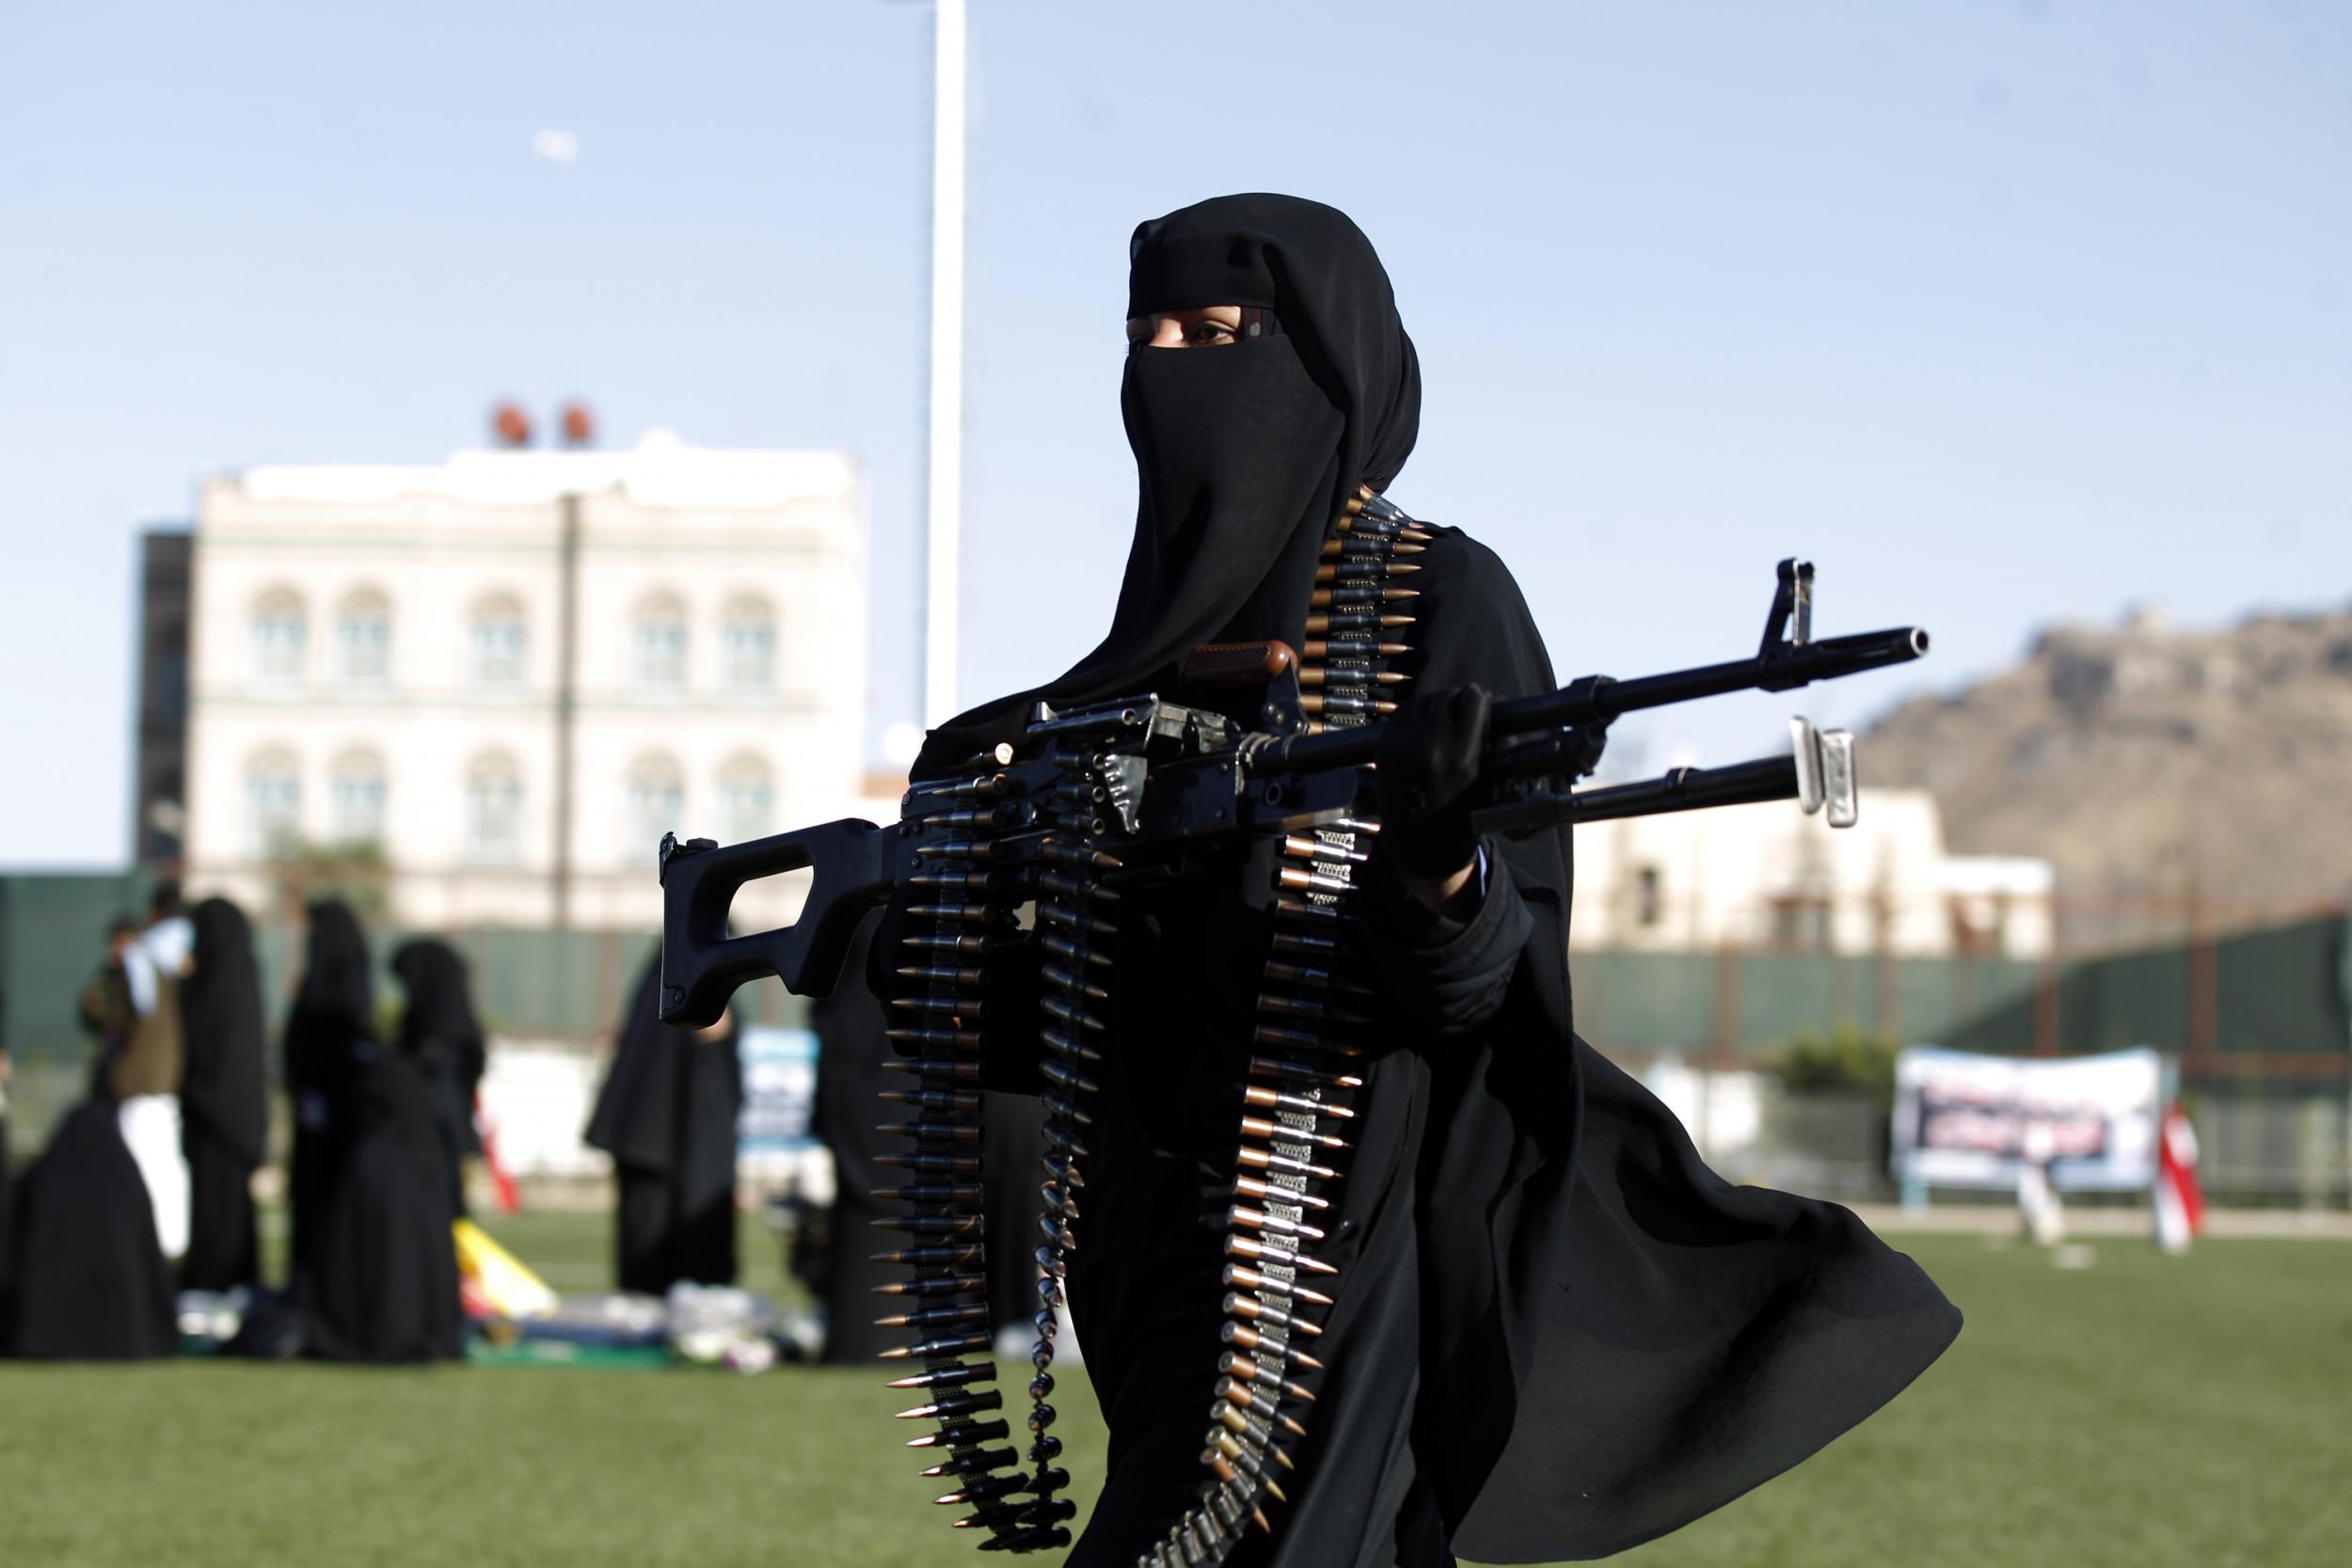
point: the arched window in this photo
(272, 805)
(494, 809)
(747, 799)
(279, 633)
(495, 642)
(355, 800)
(747, 645)
(656, 801)
(658, 641)
(363, 640)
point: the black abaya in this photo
(382, 1281)
(438, 1031)
(1556, 1334)
(330, 1039)
(224, 1103)
(87, 1279)
(667, 1115)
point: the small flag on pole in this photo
(2180, 1202)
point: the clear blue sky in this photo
(2006, 312)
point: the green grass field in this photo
(2144, 1412)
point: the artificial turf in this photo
(2144, 1412)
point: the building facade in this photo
(159, 789)
(1768, 878)
(496, 683)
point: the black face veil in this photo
(1244, 453)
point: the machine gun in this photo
(1148, 777)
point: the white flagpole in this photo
(944, 465)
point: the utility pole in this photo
(944, 453)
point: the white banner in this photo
(1965, 1120)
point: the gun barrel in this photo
(1679, 789)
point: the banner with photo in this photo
(1969, 1120)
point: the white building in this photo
(1769, 877)
(509, 674)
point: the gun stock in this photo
(702, 965)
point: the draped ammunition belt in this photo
(1307, 1038)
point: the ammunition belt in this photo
(1299, 1093)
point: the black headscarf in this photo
(438, 1009)
(1243, 455)
(222, 1091)
(338, 980)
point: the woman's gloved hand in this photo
(1428, 763)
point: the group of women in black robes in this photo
(87, 1277)
(1556, 1333)
(372, 1182)
(667, 1115)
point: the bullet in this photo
(1075, 887)
(1056, 1233)
(1234, 1364)
(1258, 1159)
(1336, 705)
(1247, 1278)
(1066, 1108)
(1314, 980)
(1350, 647)
(1299, 941)
(946, 1007)
(1363, 569)
(987, 1491)
(1057, 1202)
(950, 944)
(1306, 846)
(1062, 853)
(1277, 1251)
(969, 913)
(1329, 676)
(1305, 910)
(950, 1377)
(1071, 1046)
(970, 1253)
(933, 1130)
(1355, 620)
(1357, 596)
(1250, 1186)
(1265, 1099)
(1223, 1469)
(927, 1163)
(956, 1039)
(1062, 1170)
(1302, 1072)
(940, 1350)
(935, 1317)
(1312, 881)
(1061, 1137)
(1254, 1311)
(1285, 1006)
(1243, 1425)
(1241, 1396)
(1054, 974)
(1046, 1449)
(1350, 543)
(1250, 1460)
(976, 1464)
(1068, 1078)
(1076, 1017)
(961, 1101)
(988, 786)
(965, 882)
(953, 1405)
(936, 1067)
(964, 849)
(944, 975)
(1252, 1219)
(935, 1284)
(1009, 814)
(962, 1435)
(933, 1192)
(1303, 1039)
(1069, 920)
(1061, 946)
(931, 1224)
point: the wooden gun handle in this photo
(1239, 663)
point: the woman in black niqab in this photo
(438, 1031)
(331, 1036)
(667, 1115)
(224, 1103)
(1557, 1333)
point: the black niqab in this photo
(1243, 455)
(224, 1099)
(330, 1038)
(439, 1032)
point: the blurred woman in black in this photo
(667, 1115)
(439, 1032)
(224, 1103)
(331, 1036)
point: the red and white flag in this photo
(2180, 1202)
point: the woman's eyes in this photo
(1207, 333)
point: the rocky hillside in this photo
(2148, 762)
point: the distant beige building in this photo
(509, 674)
(1769, 877)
